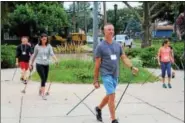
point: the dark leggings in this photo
(166, 66)
(43, 73)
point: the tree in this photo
(34, 17)
(125, 21)
(151, 12)
(81, 13)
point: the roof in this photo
(167, 27)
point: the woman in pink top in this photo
(164, 60)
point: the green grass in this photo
(90, 45)
(78, 71)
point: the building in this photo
(162, 31)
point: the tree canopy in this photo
(152, 11)
(81, 14)
(125, 20)
(32, 17)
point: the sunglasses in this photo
(44, 39)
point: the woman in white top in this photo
(42, 52)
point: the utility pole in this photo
(115, 19)
(105, 12)
(95, 27)
(74, 18)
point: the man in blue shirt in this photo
(107, 56)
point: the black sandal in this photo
(173, 75)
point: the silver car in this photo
(124, 40)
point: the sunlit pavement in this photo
(149, 103)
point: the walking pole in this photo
(80, 101)
(12, 77)
(24, 90)
(47, 93)
(14, 73)
(182, 64)
(124, 91)
(84, 103)
(148, 77)
(176, 66)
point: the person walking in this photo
(42, 52)
(107, 56)
(180, 23)
(23, 53)
(164, 60)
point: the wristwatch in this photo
(96, 81)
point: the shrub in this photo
(133, 52)
(148, 54)
(178, 50)
(69, 48)
(84, 74)
(137, 62)
(8, 53)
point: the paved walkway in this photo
(149, 103)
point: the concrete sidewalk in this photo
(149, 103)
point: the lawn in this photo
(78, 71)
(155, 42)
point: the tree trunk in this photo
(146, 26)
(152, 26)
(105, 13)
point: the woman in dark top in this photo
(23, 54)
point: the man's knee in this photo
(111, 97)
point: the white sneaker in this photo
(44, 97)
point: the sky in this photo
(109, 5)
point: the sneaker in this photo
(115, 121)
(98, 114)
(164, 85)
(25, 81)
(169, 85)
(44, 97)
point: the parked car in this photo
(89, 39)
(124, 40)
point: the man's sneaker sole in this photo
(115, 121)
(96, 111)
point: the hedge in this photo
(148, 54)
(8, 53)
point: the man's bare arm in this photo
(126, 61)
(97, 69)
